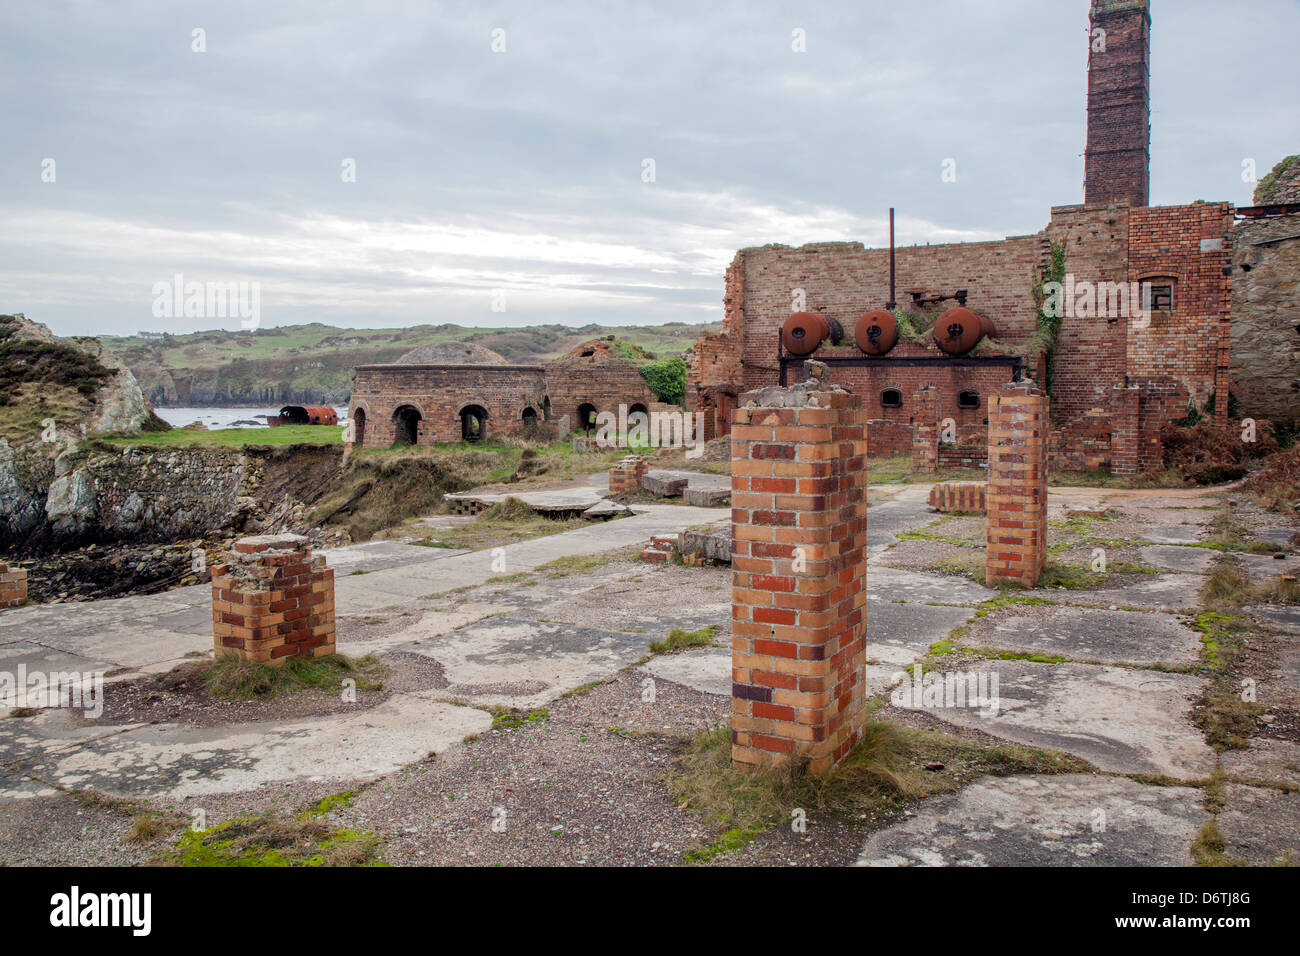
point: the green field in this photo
(237, 437)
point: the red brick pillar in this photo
(272, 599)
(1124, 432)
(925, 429)
(627, 474)
(13, 586)
(1017, 486)
(799, 527)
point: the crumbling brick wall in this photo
(595, 374)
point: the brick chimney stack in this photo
(1118, 157)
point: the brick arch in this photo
(404, 428)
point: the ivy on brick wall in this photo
(666, 378)
(1049, 326)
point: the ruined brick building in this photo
(470, 393)
(1115, 378)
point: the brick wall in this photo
(13, 586)
(627, 474)
(603, 379)
(271, 599)
(925, 429)
(1188, 345)
(1017, 486)
(439, 393)
(1118, 154)
(799, 521)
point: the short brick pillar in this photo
(958, 496)
(13, 586)
(272, 599)
(799, 531)
(925, 429)
(1126, 401)
(1017, 486)
(627, 474)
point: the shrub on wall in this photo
(666, 378)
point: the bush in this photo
(667, 379)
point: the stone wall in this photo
(1265, 327)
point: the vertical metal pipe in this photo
(892, 301)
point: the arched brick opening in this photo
(359, 426)
(473, 423)
(406, 424)
(586, 417)
(529, 416)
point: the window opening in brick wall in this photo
(891, 398)
(968, 399)
(1158, 295)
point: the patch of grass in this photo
(273, 841)
(327, 805)
(576, 564)
(147, 827)
(1208, 849)
(506, 718)
(236, 437)
(1221, 712)
(236, 679)
(884, 772)
(679, 640)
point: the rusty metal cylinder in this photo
(876, 332)
(803, 332)
(959, 330)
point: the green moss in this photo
(1270, 178)
(504, 718)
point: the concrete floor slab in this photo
(171, 761)
(516, 662)
(1067, 820)
(1173, 533)
(1172, 557)
(1283, 617)
(1089, 634)
(1267, 759)
(707, 670)
(1261, 825)
(1162, 592)
(1128, 721)
(916, 587)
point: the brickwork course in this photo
(13, 586)
(1016, 496)
(799, 521)
(959, 496)
(1181, 358)
(272, 599)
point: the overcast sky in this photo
(524, 170)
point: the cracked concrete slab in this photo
(1118, 719)
(1283, 617)
(173, 761)
(1140, 637)
(1261, 825)
(707, 670)
(517, 662)
(1067, 820)
(1167, 592)
(919, 588)
(1172, 557)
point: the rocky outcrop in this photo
(1265, 327)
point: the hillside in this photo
(313, 363)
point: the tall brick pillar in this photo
(1126, 401)
(13, 586)
(925, 429)
(799, 525)
(272, 599)
(1017, 488)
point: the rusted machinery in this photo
(956, 332)
(304, 415)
